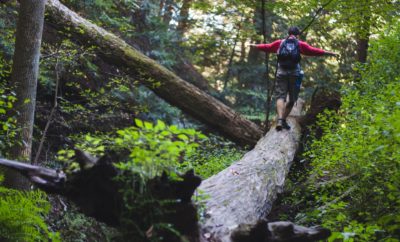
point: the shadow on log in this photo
(278, 232)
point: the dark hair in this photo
(294, 30)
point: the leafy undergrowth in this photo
(146, 151)
(77, 227)
(214, 155)
(353, 186)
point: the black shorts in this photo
(286, 84)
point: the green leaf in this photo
(139, 123)
(183, 137)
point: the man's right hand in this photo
(252, 45)
(332, 54)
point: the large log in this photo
(244, 192)
(163, 82)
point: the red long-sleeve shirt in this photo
(305, 48)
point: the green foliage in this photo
(213, 156)
(8, 16)
(155, 149)
(148, 151)
(76, 227)
(22, 216)
(108, 13)
(7, 99)
(7, 96)
(151, 150)
(355, 177)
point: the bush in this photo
(145, 151)
(76, 227)
(355, 177)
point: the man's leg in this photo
(280, 107)
(281, 90)
(288, 108)
(293, 95)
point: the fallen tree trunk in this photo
(163, 82)
(244, 192)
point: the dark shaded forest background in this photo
(347, 177)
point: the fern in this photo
(22, 216)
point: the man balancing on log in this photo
(288, 70)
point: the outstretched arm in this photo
(307, 49)
(329, 53)
(270, 48)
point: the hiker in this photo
(288, 70)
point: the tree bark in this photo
(267, 31)
(362, 49)
(244, 192)
(163, 82)
(24, 76)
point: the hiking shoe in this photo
(279, 125)
(282, 124)
(285, 125)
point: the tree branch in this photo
(319, 10)
(53, 110)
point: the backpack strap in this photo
(280, 45)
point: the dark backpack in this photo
(289, 53)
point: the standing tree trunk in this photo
(24, 76)
(362, 49)
(266, 36)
